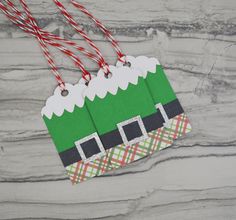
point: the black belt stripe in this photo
(113, 138)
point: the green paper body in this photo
(159, 87)
(113, 109)
(102, 115)
(70, 127)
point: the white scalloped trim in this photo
(57, 104)
(143, 63)
(99, 86)
(121, 77)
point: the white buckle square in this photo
(164, 115)
(95, 156)
(141, 126)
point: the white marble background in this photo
(195, 40)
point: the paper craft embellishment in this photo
(104, 122)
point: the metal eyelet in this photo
(64, 92)
(128, 64)
(108, 75)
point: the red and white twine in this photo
(77, 27)
(29, 25)
(44, 47)
(85, 74)
(47, 35)
(106, 32)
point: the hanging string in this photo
(48, 35)
(47, 55)
(77, 27)
(44, 46)
(33, 29)
(85, 74)
(30, 26)
(106, 32)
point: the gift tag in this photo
(176, 121)
(67, 117)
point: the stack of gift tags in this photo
(114, 120)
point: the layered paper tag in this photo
(176, 122)
(114, 121)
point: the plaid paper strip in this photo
(122, 155)
(179, 126)
(79, 172)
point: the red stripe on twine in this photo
(106, 32)
(48, 36)
(43, 45)
(77, 27)
(29, 25)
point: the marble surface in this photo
(194, 179)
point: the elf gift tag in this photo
(176, 122)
